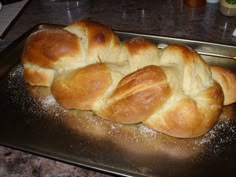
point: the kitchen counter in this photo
(160, 17)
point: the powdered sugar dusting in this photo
(49, 101)
(147, 132)
(221, 127)
(28, 98)
(41, 103)
(215, 140)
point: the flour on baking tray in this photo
(18, 92)
(223, 133)
(48, 102)
(16, 84)
(220, 128)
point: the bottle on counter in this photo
(228, 7)
(195, 3)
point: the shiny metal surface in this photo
(32, 121)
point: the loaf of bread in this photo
(87, 67)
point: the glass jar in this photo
(228, 7)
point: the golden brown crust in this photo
(48, 51)
(79, 44)
(136, 96)
(139, 44)
(139, 53)
(173, 91)
(45, 48)
(197, 99)
(101, 44)
(38, 76)
(227, 79)
(186, 118)
(79, 89)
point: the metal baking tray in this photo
(32, 121)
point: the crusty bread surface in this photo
(171, 90)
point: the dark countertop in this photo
(160, 17)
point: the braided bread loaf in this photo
(87, 68)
